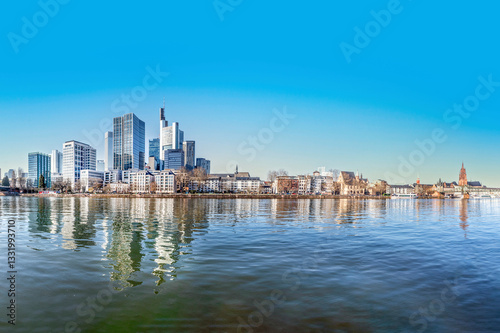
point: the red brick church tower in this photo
(462, 179)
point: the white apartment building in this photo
(89, 178)
(77, 156)
(165, 182)
(112, 176)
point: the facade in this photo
(154, 151)
(56, 161)
(90, 179)
(173, 159)
(140, 181)
(129, 143)
(400, 189)
(189, 154)
(108, 151)
(351, 184)
(286, 185)
(204, 164)
(112, 176)
(77, 156)
(39, 164)
(165, 182)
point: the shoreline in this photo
(208, 196)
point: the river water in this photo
(207, 265)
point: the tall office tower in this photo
(154, 151)
(174, 159)
(108, 151)
(77, 156)
(100, 165)
(129, 142)
(203, 163)
(189, 154)
(171, 137)
(56, 160)
(39, 164)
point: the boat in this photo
(403, 196)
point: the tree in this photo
(5, 181)
(96, 184)
(78, 186)
(273, 174)
(184, 178)
(200, 175)
(41, 182)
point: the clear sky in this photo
(359, 100)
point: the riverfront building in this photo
(129, 143)
(77, 156)
(39, 164)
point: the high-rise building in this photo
(129, 142)
(189, 154)
(77, 156)
(154, 151)
(108, 151)
(203, 163)
(174, 159)
(171, 137)
(39, 164)
(56, 160)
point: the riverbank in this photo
(207, 196)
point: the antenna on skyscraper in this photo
(164, 102)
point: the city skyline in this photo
(362, 110)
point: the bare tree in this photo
(96, 184)
(273, 174)
(200, 175)
(78, 186)
(184, 178)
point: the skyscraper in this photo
(77, 156)
(154, 151)
(39, 164)
(56, 159)
(189, 154)
(203, 163)
(108, 151)
(171, 137)
(129, 142)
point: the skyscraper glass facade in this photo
(39, 164)
(129, 142)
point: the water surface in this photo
(206, 265)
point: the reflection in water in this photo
(135, 233)
(198, 265)
(464, 216)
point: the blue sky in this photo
(227, 76)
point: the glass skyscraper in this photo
(129, 142)
(39, 164)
